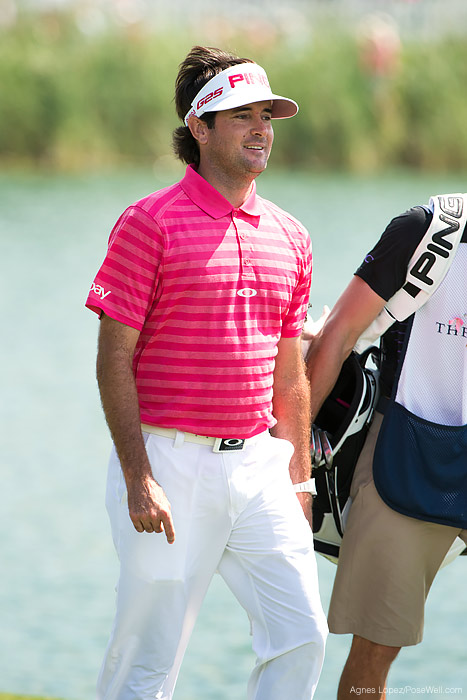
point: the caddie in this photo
(409, 490)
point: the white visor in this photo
(237, 86)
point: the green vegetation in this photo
(8, 696)
(72, 100)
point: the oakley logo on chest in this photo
(247, 292)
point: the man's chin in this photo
(258, 168)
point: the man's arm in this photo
(148, 506)
(291, 408)
(353, 312)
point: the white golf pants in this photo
(234, 512)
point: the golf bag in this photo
(342, 425)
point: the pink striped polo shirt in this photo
(211, 289)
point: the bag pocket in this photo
(420, 467)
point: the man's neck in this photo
(235, 192)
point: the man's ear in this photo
(199, 129)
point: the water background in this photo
(58, 568)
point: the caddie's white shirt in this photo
(433, 382)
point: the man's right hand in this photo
(149, 508)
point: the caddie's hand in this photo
(306, 501)
(149, 508)
(312, 328)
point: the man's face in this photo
(241, 140)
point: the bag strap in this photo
(427, 267)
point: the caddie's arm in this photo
(148, 506)
(352, 313)
(291, 408)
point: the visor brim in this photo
(282, 107)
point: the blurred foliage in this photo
(71, 99)
(9, 696)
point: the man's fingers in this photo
(160, 524)
(138, 526)
(169, 528)
(150, 510)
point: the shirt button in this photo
(247, 261)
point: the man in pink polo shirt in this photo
(202, 297)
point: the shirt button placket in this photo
(244, 247)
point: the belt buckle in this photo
(228, 445)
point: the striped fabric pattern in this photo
(211, 289)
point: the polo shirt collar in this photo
(207, 198)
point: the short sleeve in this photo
(293, 323)
(384, 268)
(126, 283)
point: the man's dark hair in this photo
(200, 65)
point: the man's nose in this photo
(259, 125)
